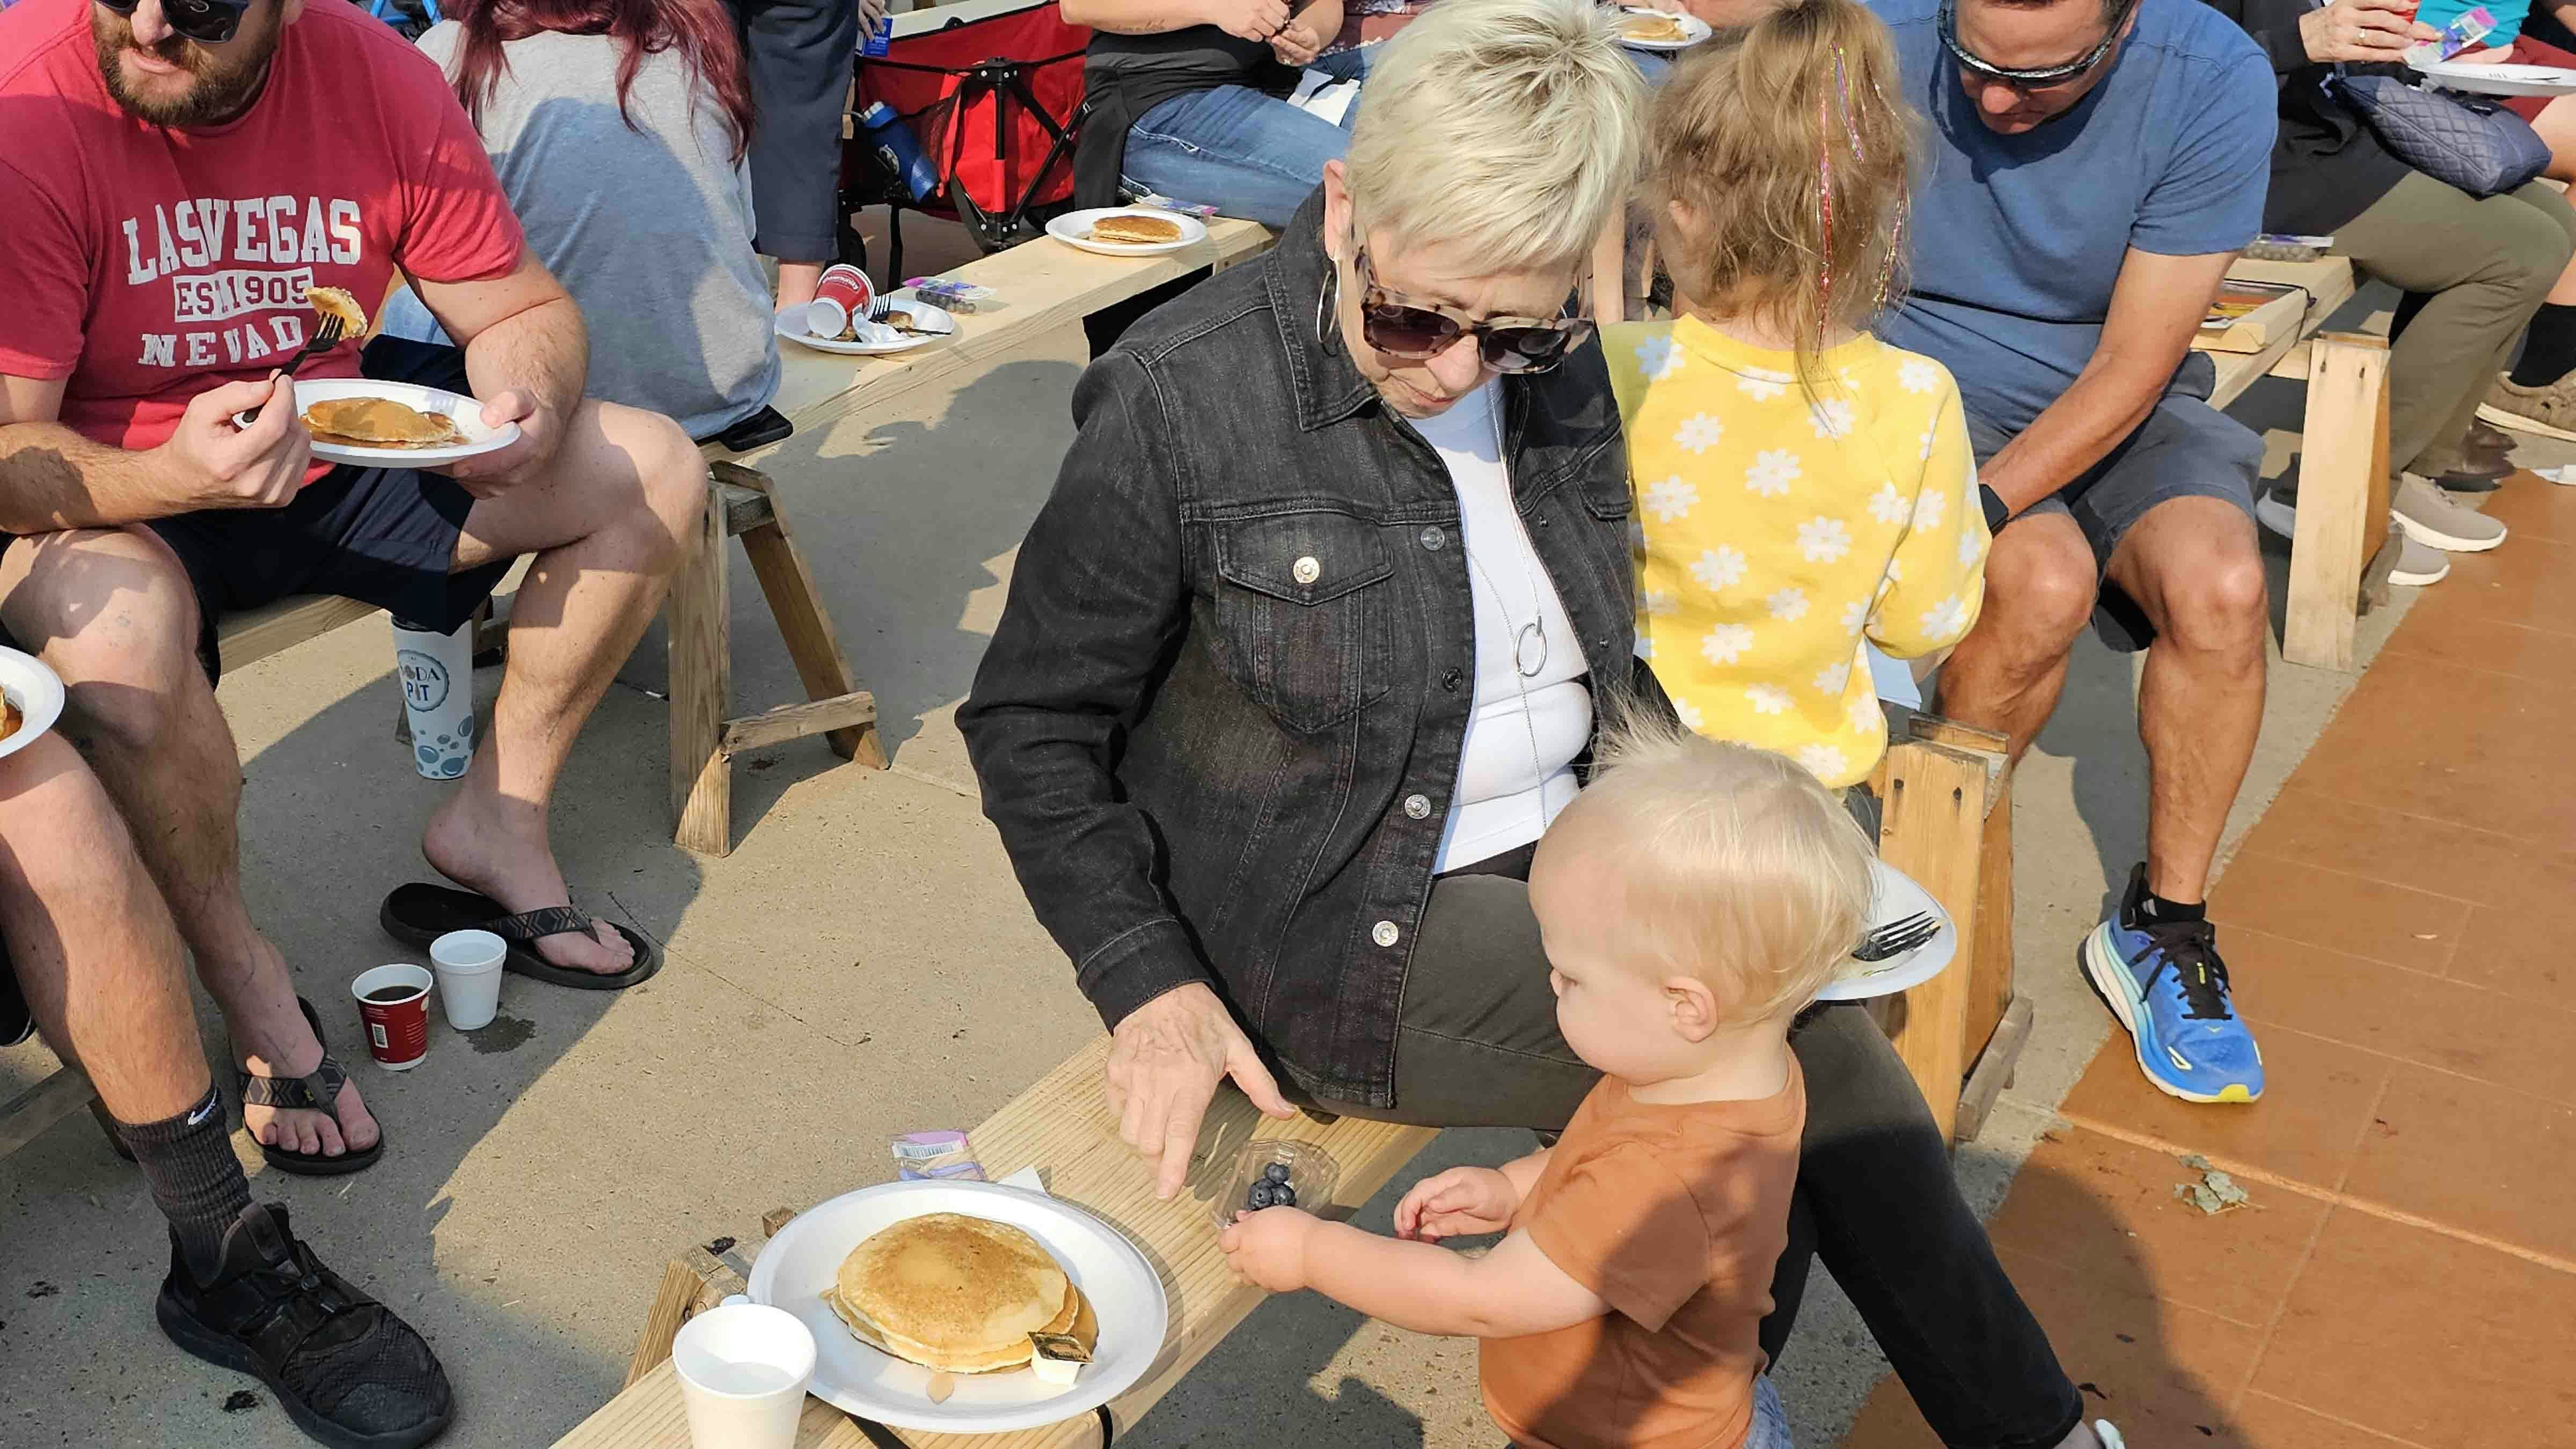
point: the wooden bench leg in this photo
(1935, 820)
(2343, 496)
(811, 640)
(701, 686)
(1610, 270)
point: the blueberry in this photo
(1263, 1195)
(1276, 1172)
(1283, 1196)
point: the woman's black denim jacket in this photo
(1219, 724)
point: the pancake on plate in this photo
(958, 1294)
(10, 719)
(1658, 29)
(1135, 230)
(332, 302)
(378, 422)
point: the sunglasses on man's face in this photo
(207, 22)
(1416, 331)
(2026, 81)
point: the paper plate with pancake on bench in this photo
(933, 1302)
(375, 424)
(1643, 29)
(1128, 231)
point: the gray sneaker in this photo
(2549, 411)
(2435, 521)
(2417, 565)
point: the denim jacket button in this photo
(1449, 681)
(1306, 570)
(1433, 538)
(1384, 933)
(1417, 807)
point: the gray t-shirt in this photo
(649, 228)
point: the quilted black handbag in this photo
(2474, 144)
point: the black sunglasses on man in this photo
(207, 22)
(2038, 79)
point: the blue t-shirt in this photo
(2019, 239)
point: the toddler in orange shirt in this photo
(1692, 900)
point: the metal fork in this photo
(1897, 937)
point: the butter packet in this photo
(920, 1156)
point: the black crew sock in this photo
(2155, 910)
(2549, 348)
(195, 1179)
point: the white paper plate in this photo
(1074, 228)
(35, 691)
(805, 1259)
(2501, 80)
(1694, 29)
(1896, 897)
(921, 312)
(467, 414)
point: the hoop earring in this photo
(1328, 293)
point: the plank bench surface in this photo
(2330, 284)
(1043, 285)
(1062, 1128)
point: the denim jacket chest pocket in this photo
(1301, 613)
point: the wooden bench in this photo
(2343, 534)
(1060, 1127)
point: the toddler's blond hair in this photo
(1736, 866)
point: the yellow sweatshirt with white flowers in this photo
(1779, 529)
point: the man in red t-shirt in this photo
(178, 174)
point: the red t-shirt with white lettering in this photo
(144, 265)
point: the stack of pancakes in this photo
(958, 1294)
(1129, 230)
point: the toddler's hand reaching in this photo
(1269, 1247)
(1459, 1203)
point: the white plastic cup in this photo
(468, 964)
(743, 1369)
(437, 676)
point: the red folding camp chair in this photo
(994, 103)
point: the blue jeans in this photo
(1238, 150)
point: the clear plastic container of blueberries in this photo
(1262, 1170)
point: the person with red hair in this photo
(621, 131)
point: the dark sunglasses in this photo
(207, 22)
(1400, 327)
(2028, 80)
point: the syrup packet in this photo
(935, 1155)
(951, 294)
(2467, 31)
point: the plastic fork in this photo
(1897, 937)
(325, 337)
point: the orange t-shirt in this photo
(1676, 1217)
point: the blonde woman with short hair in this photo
(1301, 655)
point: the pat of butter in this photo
(1058, 1371)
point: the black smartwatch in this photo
(1998, 513)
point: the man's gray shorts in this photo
(2185, 449)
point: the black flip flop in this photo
(315, 1091)
(418, 913)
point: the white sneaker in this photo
(2276, 513)
(2435, 521)
(2109, 1436)
(2417, 565)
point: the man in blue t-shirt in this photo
(2092, 167)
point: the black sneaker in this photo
(345, 1369)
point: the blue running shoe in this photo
(2167, 986)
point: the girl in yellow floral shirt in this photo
(1801, 486)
